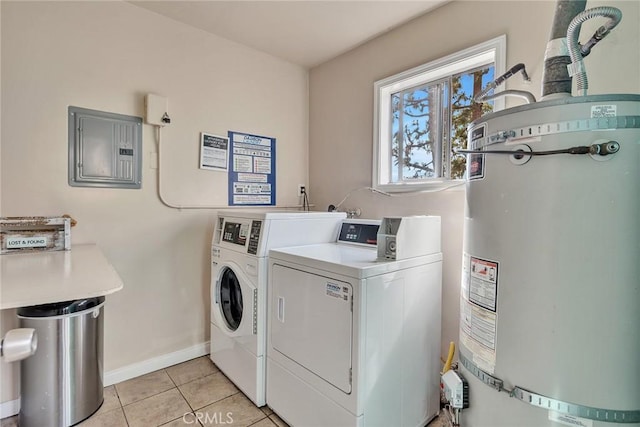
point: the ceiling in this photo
(304, 32)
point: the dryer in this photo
(240, 245)
(353, 340)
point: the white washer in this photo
(354, 341)
(239, 249)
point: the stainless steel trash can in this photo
(62, 383)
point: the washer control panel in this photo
(254, 237)
(235, 232)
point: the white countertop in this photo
(45, 277)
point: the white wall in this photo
(341, 104)
(106, 56)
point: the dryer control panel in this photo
(360, 232)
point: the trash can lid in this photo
(60, 308)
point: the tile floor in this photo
(193, 393)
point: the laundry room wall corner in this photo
(106, 56)
(341, 105)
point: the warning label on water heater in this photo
(478, 318)
(599, 111)
(569, 420)
(483, 283)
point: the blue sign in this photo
(252, 170)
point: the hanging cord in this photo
(603, 149)
(384, 193)
(336, 207)
(305, 202)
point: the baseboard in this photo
(10, 408)
(155, 363)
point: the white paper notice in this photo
(214, 152)
(483, 284)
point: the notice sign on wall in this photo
(252, 170)
(213, 152)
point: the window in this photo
(421, 116)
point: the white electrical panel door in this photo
(312, 323)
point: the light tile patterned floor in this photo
(193, 393)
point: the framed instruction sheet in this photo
(252, 170)
(213, 152)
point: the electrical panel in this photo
(105, 149)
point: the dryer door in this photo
(312, 323)
(234, 302)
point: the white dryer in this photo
(354, 341)
(240, 245)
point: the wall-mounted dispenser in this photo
(156, 110)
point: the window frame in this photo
(491, 51)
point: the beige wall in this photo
(106, 56)
(341, 105)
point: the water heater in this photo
(550, 294)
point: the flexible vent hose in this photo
(577, 68)
(484, 95)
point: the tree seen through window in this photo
(430, 121)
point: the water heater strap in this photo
(598, 414)
(535, 399)
(488, 379)
(600, 123)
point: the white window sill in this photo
(423, 187)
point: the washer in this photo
(240, 244)
(354, 341)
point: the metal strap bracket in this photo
(607, 415)
(541, 401)
(488, 379)
(579, 125)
